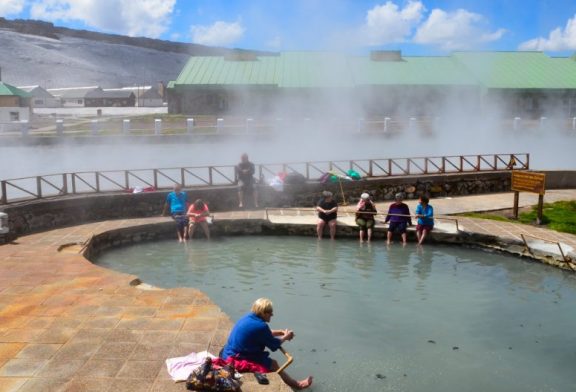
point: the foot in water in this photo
(303, 384)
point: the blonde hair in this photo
(262, 306)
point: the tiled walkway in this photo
(68, 325)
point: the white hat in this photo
(365, 196)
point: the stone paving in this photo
(69, 325)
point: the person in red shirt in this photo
(198, 214)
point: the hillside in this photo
(39, 53)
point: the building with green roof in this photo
(383, 83)
(14, 103)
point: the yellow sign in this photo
(528, 182)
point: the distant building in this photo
(41, 98)
(110, 97)
(72, 96)
(14, 104)
(148, 96)
(383, 83)
(152, 97)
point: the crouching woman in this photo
(251, 335)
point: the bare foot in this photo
(303, 384)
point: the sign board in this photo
(523, 181)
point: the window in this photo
(14, 116)
(80, 102)
(38, 102)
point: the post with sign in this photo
(533, 182)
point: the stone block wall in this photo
(63, 211)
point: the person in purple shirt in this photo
(251, 335)
(398, 219)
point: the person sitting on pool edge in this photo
(425, 215)
(399, 218)
(177, 201)
(198, 214)
(327, 213)
(365, 216)
(251, 335)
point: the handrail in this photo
(567, 260)
(37, 187)
(436, 217)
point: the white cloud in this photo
(389, 23)
(11, 7)
(218, 34)
(460, 29)
(557, 40)
(148, 18)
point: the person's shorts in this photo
(397, 227)
(242, 184)
(181, 220)
(427, 228)
(328, 218)
(365, 223)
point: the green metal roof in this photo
(421, 71)
(7, 89)
(519, 70)
(315, 69)
(503, 70)
(218, 71)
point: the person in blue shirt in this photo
(177, 201)
(251, 335)
(425, 215)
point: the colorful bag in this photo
(210, 379)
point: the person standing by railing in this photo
(245, 173)
(177, 201)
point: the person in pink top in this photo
(198, 214)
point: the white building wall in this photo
(14, 114)
(10, 118)
(73, 102)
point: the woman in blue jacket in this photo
(425, 215)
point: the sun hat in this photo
(326, 193)
(365, 196)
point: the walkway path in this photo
(68, 325)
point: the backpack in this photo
(206, 378)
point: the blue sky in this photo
(417, 27)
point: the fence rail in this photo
(51, 185)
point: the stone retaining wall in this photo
(230, 227)
(47, 214)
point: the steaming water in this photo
(372, 318)
(548, 151)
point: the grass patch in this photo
(559, 216)
(482, 215)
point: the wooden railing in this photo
(51, 185)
